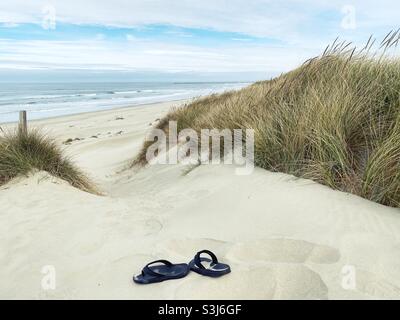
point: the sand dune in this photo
(285, 238)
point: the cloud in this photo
(301, 27)
(9, 25)
(130, 37)
(100, 36)
(282, 19)
(144, 56)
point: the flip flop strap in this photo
(197, 260)
(148, 271)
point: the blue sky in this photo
(234, 39)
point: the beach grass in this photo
(22, 153)
(335, 120)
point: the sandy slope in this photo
(284, 237)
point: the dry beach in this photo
(284, 237)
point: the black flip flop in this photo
(164, 270)
(213, 269)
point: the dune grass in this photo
(21, 153)
(335, 120)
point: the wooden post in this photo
(23, 126)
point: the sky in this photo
(208, 40)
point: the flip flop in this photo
(161, 272)
(213, 268)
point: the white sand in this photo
(284, 238)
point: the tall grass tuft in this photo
(335, 120)
(20, 153)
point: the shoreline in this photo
(121, 105)
(178, 101)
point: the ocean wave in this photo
(49, 104)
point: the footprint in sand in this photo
(283, 251)
(285, 276)
(271, 282)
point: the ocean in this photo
(44, 100)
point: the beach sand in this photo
(285, 238)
